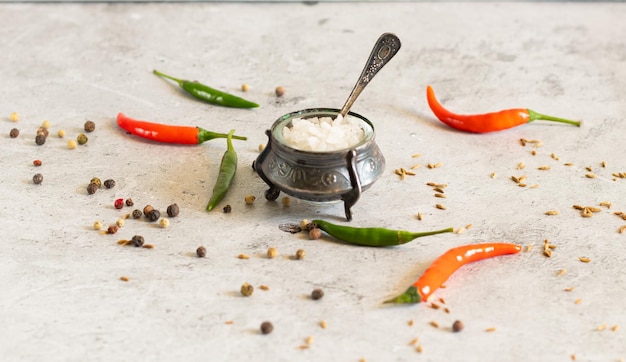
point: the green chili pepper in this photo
(228, 168)
(373, 236)
(208, 94)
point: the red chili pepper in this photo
(488, 122)
(169, 133)
(445, 265)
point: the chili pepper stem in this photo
(411, 296)
(205, 135)
(406, 237)
(534, 116)
(179, 81)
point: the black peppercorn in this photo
(154, 215)
(457, 326)
(317, 294)
(137, 240)
(137, 214)
(201, 251)
(173, 210)
(14, 133)
(267, 327)
(89, 126)
(37, 178)
(227, 209)
(92, 188)
(129, 202)
(40, 139)
(109, 184)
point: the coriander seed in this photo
(300, 253)
(71, 144)
(317, 294)
(201, 252)
(14, 133)
(267, 327)
(247, 289)
(227, 209)
(97, 225)
(40, 139)
(137, 240)
(173, 210)
(457, 326)
(89, 126)
(45, 124)
(37, 178)
(164, 223)
(136, 214)
(120, 222)
(96, 181)
(154, 215)
(14, 117)
(245, 87)
(249, 199)
(272, 252)
(82, 139)
(280, 91)
(109, 183)
(61, 133)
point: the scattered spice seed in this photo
(573, 357)
(493, 175)
(441, 196)
(569, 164)
(123, 242)
(434, 305)
(434, 324)
(584, 259)
(97, 225)
(173, 210)
(119, 203)
(249, 199)
(227, 209)
(577, 207)
(112, 229)
(71, 144)
(460, 230)
(124, 279)
(264, 287)
(96, 181)
(317, 294)
(309, 340)
(416, 166)
(148, 246)
(419, 349)
(590, 175)
(315, 233)
(129, 202)
(603, 164)
(92, 188)
(606, 204)
(543, 168)
(201, 252)
(154, 215)
(14, 117)
(45, 124)
(164, 223)
(300, 253)
(410, 323)
(286, 201)
(82, 139)
(137, 240)
(552, 212)
(261, 147)
(490, 329)
(136, 214)
(267, 327)
(457, 326)
(280, 91)
(533, 152)
(447, 310)
(14, 133)
(419, 216)
(615, 328)
(246, 289)
(229, 322)
(622, 229)
(120, 222)
(40, 139)
(578, 301)
(272, 252)
(561, 272)
(243, 256)
(520, 166)
(440, 207)
(323, 324)
(569, 289)
(37, 163)
(601, 327)
(547, 253)
(245, 87)
(89, 126)
(588, 168)
(109, 183)
(37, 178)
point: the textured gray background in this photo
(61, 298)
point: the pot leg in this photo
(351, 197)
(272, 193)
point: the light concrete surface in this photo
(61, 297)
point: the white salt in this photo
(323, 134)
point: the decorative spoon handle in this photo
(385, 48)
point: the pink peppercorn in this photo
(119, 203)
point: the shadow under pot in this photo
(313, 156)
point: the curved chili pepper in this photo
(228, 168)
(488, 122)
(373, 236)
(208, 94)
(169, 133)
(445, 265)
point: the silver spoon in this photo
(385, 48)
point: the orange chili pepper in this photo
(488, 122)
(445, 265)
